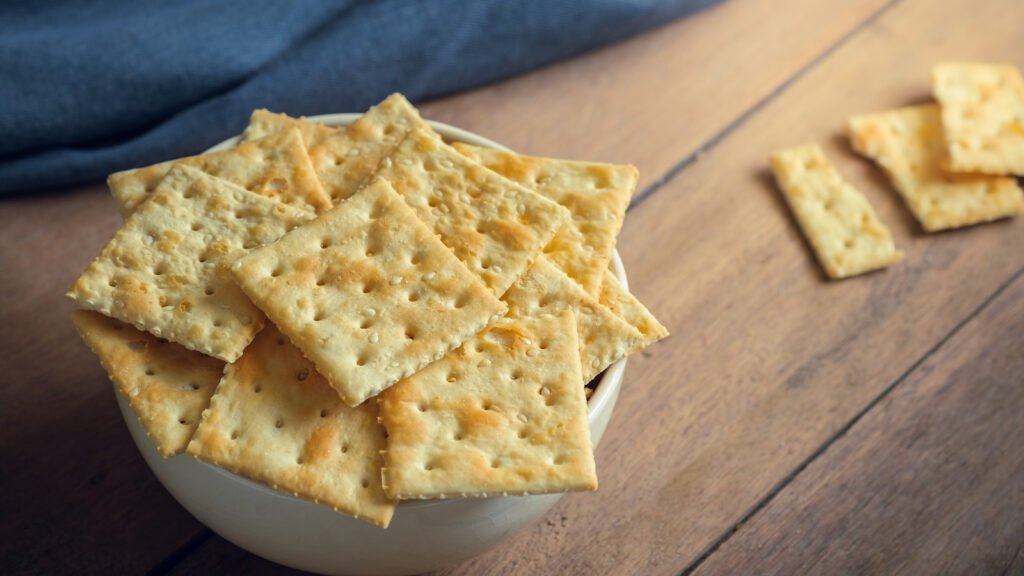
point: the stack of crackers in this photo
(952, 162)
(365, 314)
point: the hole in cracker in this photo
(158, 271)
(239, 215)
(413, 296)
(325, 244)
(194, 385)
(280, 341)
(300, 460)
(485, 265)
(416, 259)
(366, 483)
(428, 466)
(321, 282)
(218, 323)
(183, 421)
(324, 413)
(302, 374)
(112, 283)
(369, 253)
(279, 423)
(544, 391)
(344, 448)
(434, 202)
(410, 334)
(365, 324)
(543, 345)
(422, 407)
(234, 435)
(848, 243)
(457, 437)
(367, 288)
(137, 345)
(361, 361)
(209, 291)
(461, 301)
(196, 226)
(150, 372)
(487, 405)
(522, 434)
(258, 389)
(319, 316)
(516, 374)
(495, 464)
(451, 378)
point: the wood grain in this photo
(654, 100)
(929, 482)
(77, 496)
(768, 360)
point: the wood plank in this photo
(656, 98)
(768, 360)
(78, 496)
(929, 482)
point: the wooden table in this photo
(789, 425)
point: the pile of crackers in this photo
(952, 162)
(365, 314)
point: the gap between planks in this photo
(789, 478)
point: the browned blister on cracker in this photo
(368, 293)
(166, 270)
(595, 194)
(504, 414)
(276, 420)
(167, 386)
(908, 144)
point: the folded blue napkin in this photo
(92, 87)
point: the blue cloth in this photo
(92, 87)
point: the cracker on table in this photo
(166, 270)
(275, 419)
(982, 116)
(596, 195)
(495, 226)
(908, 144)
(847, 236)
(503, 415)
(604, 337)
(346, 158)
(167, 386)
(265, 123)
(367, 292)
(623, 304)
(276, 166)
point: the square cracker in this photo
(504, 414)
(275, 420)
(276, 167)
(596, 195)
(346, 158)
(836, 218)
(367, 292)
(167, 386)
(495, 226)
(623, 304)
(982, 116)
(604, 337)
(166, 270)
(908, 145)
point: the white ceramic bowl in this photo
(423, 535)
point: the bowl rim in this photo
(610, 379)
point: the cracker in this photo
(167, 386)
(596, 195)
(265, 123)
(166, 270)
(346, 158)
(502, 415)
(624, 305)
(604, 337)
(275, 420)
(495, 226)
(982, 116)
(276, 167)
(846, 234)
(908, 145)
(367, 292)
